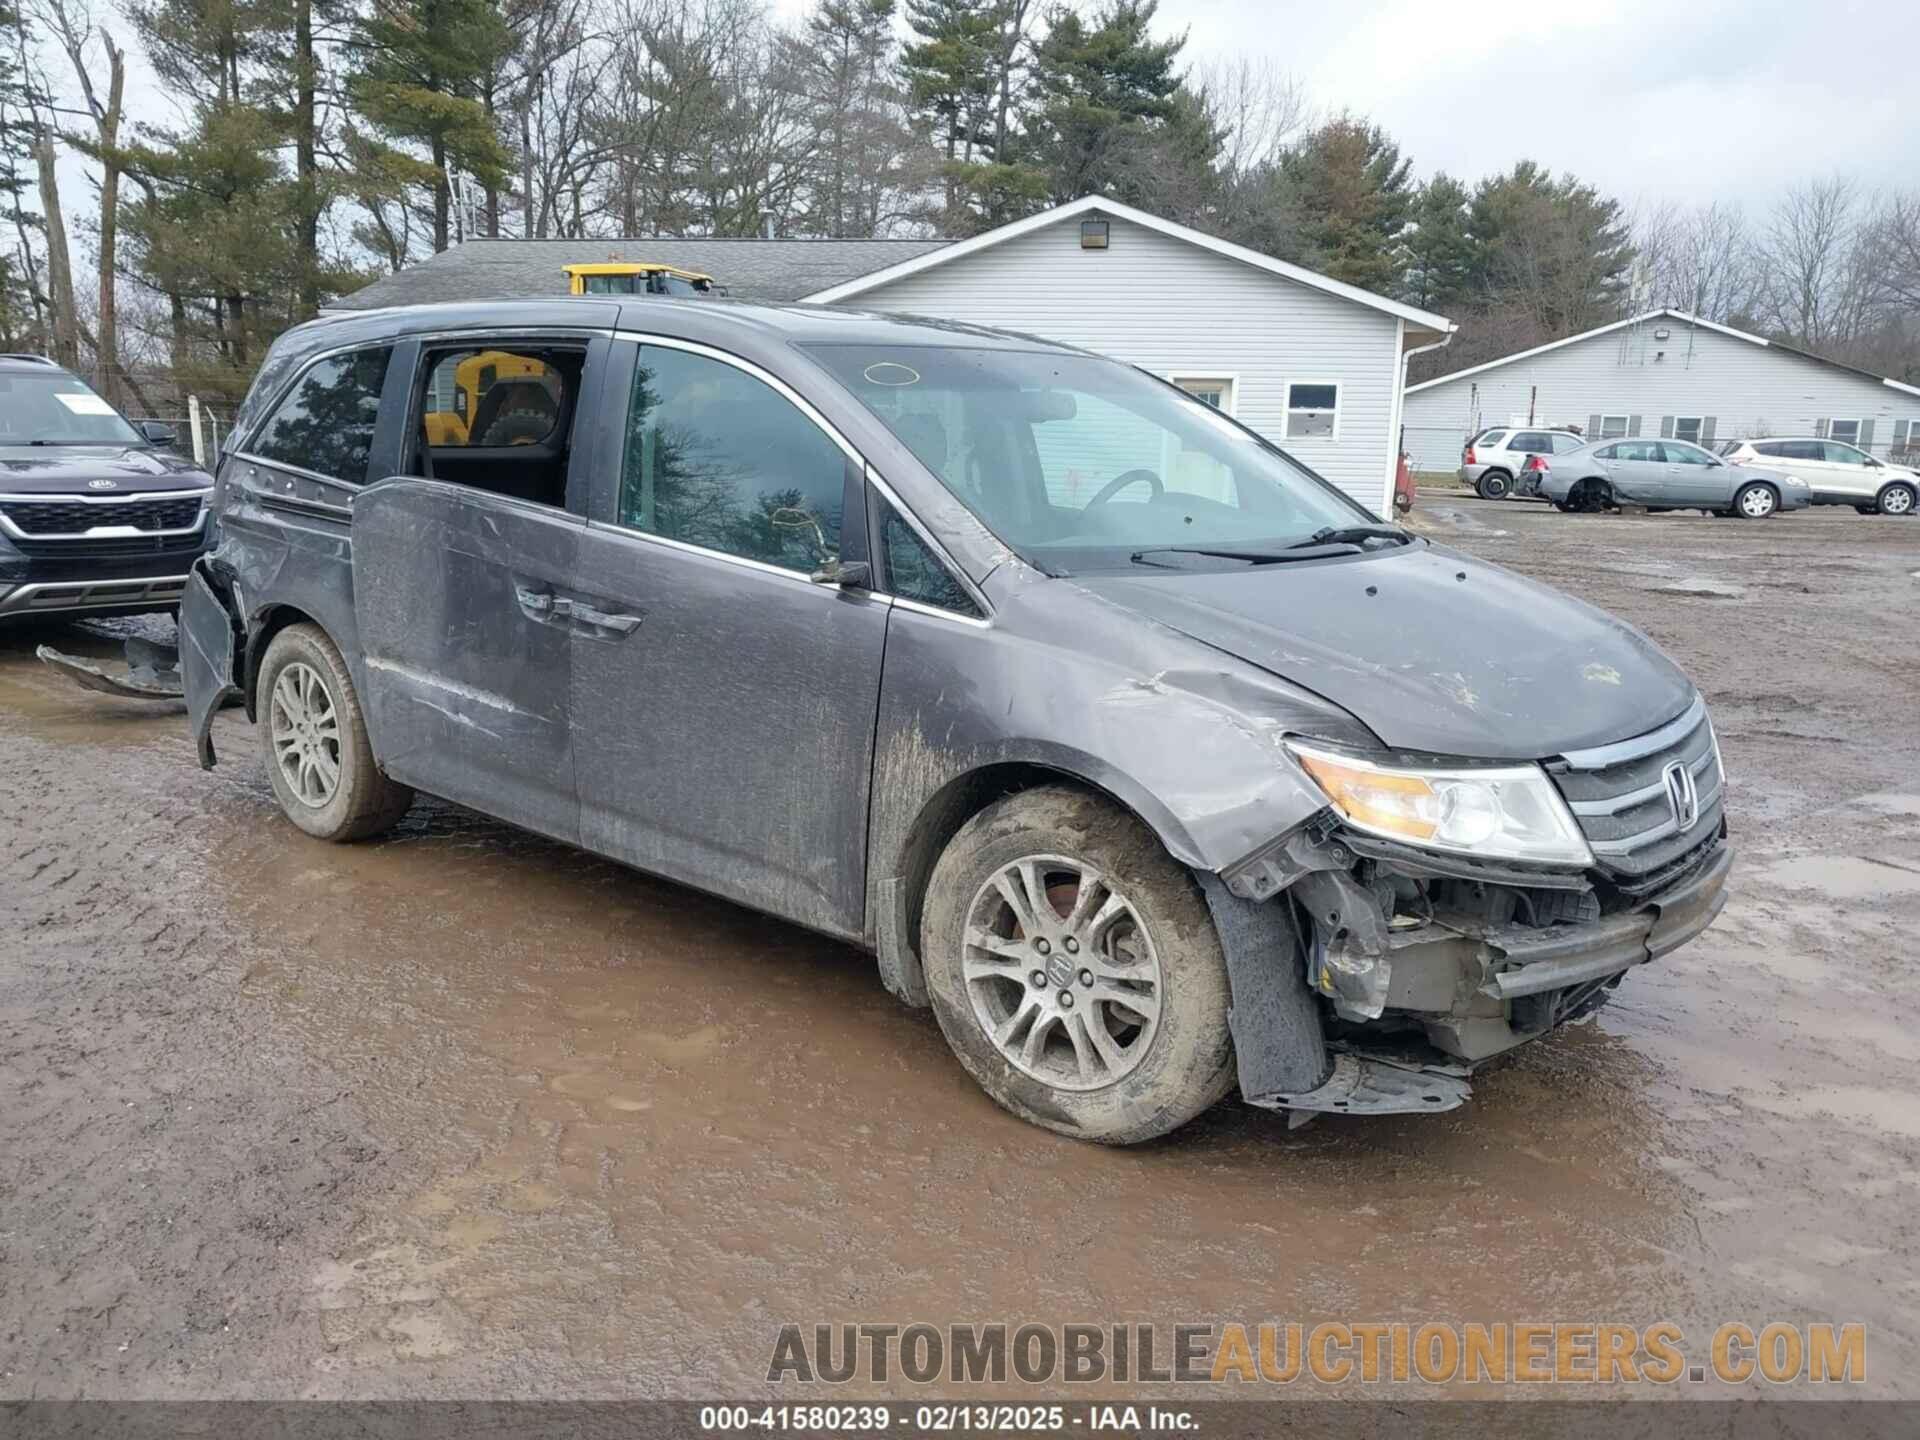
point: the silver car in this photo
(1660, 475)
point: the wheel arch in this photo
(270, 621)
(897, 896)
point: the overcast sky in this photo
(1647, 99)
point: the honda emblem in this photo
(1683, 797)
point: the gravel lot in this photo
(465, 1113)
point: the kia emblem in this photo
(103, 484)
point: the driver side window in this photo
(717, 458)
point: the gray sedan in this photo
(1660, 475)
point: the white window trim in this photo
(1855, 438)
(1287, 412)
(1699, 428)
(1625, 421)
(1229, 379)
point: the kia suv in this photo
(1495, 460)
(96, 517)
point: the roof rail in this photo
(34, 359)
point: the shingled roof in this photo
(528, 269)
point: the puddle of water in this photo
(1846, 877)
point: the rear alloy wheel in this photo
(1897, 499)
(1074, 969)
(315, 742)
(1494, 485)
(1755, 501)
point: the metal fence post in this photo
(193, 425)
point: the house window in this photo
(1687, 427)
(1612, 427)
(1847, 432)
(1313, 410)
(1216, 391)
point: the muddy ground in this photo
(467, 1113)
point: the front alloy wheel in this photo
(1062, 974)
(1756, 502)
(1074, 968)
(1897, 500)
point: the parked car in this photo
(1139, 752)
(1837, 473)
(1495, 458)
(1661, 475)
(95, 517)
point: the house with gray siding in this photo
(1663, 373)
(1315, 365)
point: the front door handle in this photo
(543, 604)
(605, 620)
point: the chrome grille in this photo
(55, 517)
(1619, 794)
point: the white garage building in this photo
(1313, 364)
(1663, 373)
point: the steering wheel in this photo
(1120, 482)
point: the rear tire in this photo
(313, 741)
(1120, 910)
(1494, 485)
(1756, 501)
(1897, 499)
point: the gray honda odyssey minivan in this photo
(1147, 759)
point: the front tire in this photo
(313, 740)
(1494, 485)
(1897, 499)
(1074, 969)
(1755, 501)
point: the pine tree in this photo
(842, 65)
(423, 66)
(1351, 195)
(1555, 248)
(1439, 249)
(1110, 96)
(950, 87)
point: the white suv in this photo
(1496, 458)
(1837, 473)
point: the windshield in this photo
(57, 409)
(1080, 464)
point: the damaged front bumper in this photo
(1426, 966)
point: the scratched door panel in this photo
(467, 644)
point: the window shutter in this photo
(1866, 436)
(1706, 431)
(1593, 427)
(1820, 428)
(1633, 424)
(1666, 427)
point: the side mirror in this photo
(847, 574)
(157, 433)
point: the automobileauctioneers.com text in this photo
(1332, 1353)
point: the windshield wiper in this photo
(1252, 557)
(1352, 535)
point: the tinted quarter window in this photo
(326, 422)
(717, 458)
(913, 571)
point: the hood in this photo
(1430, 649)
(66, 469)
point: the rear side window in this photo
(1532, 442)
(325, 424)
(914, 572)
(717, 458)
(1491, 439)
(491, 398)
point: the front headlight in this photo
(1511, 813)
